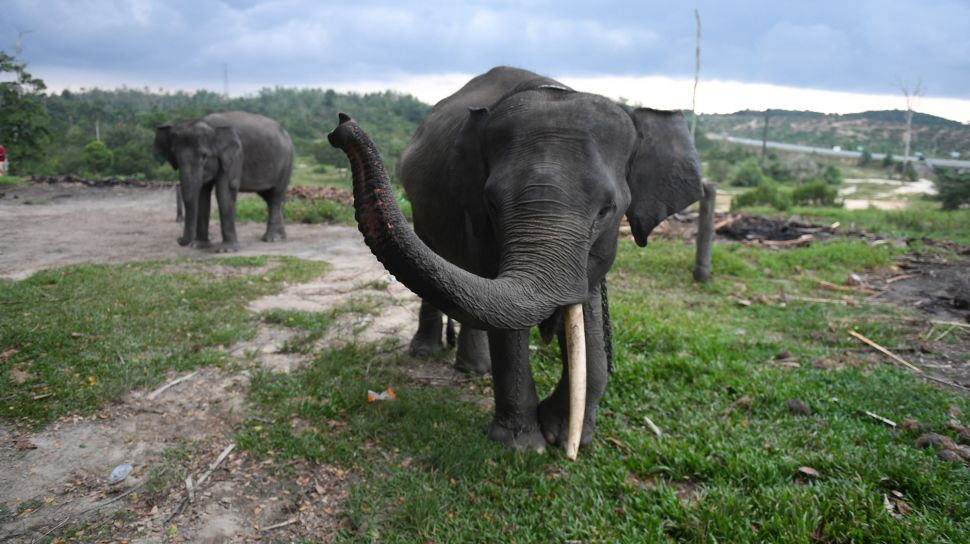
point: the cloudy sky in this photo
(825, 55)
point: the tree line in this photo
(110, 132)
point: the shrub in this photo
(816, 193)
(766, 194)
(954, 188)
(866, 158)
(832, 175)
(97, 157)
(888, 160)
(717, 170)
(748, 174)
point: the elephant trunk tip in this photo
(341, 135)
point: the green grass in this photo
(10, 180)
(87, 334)
(685, 355)
(308, 172)
(296, 210)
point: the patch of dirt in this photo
(55, 479)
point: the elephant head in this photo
(201, 153)
(548, 173)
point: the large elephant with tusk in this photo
(518, 185)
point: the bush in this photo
(816, 193)
(717, 170)
(748, 174)
(866, 158)
(954, 188)
(888, 160)
(832, 175)
(97, 157)
(766, 194)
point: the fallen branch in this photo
(885, 351)
(278, 525)
(162, 389)
(880, 418)
(653, 426)
(845, 288)
(894, 279)
(89, 509)
(817, 300)
(954, 323)
(198, 484)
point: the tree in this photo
(832, 175)
(866, 158)
(97, 157)
(24, 120)
(887, 161)
(954, 188)
(912, 94)
(748, 174)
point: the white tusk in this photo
(576, 348)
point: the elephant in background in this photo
(228, 152)
(518, 185)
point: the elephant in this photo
(229, 152)
(518, 185)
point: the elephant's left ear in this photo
(665, 173)
(163, 145)
(229, 148)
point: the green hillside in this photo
(877, 131)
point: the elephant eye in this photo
(606, 210)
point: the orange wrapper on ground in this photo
(387, 394)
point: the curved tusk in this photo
(576, 349)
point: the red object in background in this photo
(3, 153)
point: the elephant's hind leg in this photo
(275, 198)
(473, 356)
(427, 341)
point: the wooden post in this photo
(705, 234)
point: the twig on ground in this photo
(954, 323)
(880, 418)
(885, 351)
(653, 426)
(189, 489)
(944, 333)
(903, 277)
(198, 484)
(162, 389)
(278, 525)
(845, 288)
(817, 300)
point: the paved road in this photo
(951, 163)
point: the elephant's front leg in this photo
(202, 219)
(554, 410)
(226, 196)
(515, 423)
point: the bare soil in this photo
(55, 480)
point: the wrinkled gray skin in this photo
(518, 186)
(227, 152)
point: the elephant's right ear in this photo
(163, 145)
(470, 167)
(665, 171)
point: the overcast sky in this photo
(827, 55)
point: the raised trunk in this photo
(511, 301)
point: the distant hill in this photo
(877, 131)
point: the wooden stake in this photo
(576, 353)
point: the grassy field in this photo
(9, 180)
(692, 359)
(714, 366)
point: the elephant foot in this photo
(527, 439)
(554, 421)
(275, 236)
(183, 241)
(227, 247)
(424, 348)
(472, 365)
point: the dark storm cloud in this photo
(864, 46)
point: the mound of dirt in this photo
(311, 192)
(755, 227)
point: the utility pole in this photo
(697, 77)
(19, 44)
(912, 94)
(764, 139)
(225, 80)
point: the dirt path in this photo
(55, 479)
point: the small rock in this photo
(799, 407)
(911, 424)
(119, 473)
(744, 402)
(937, 440)
(949, 455)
